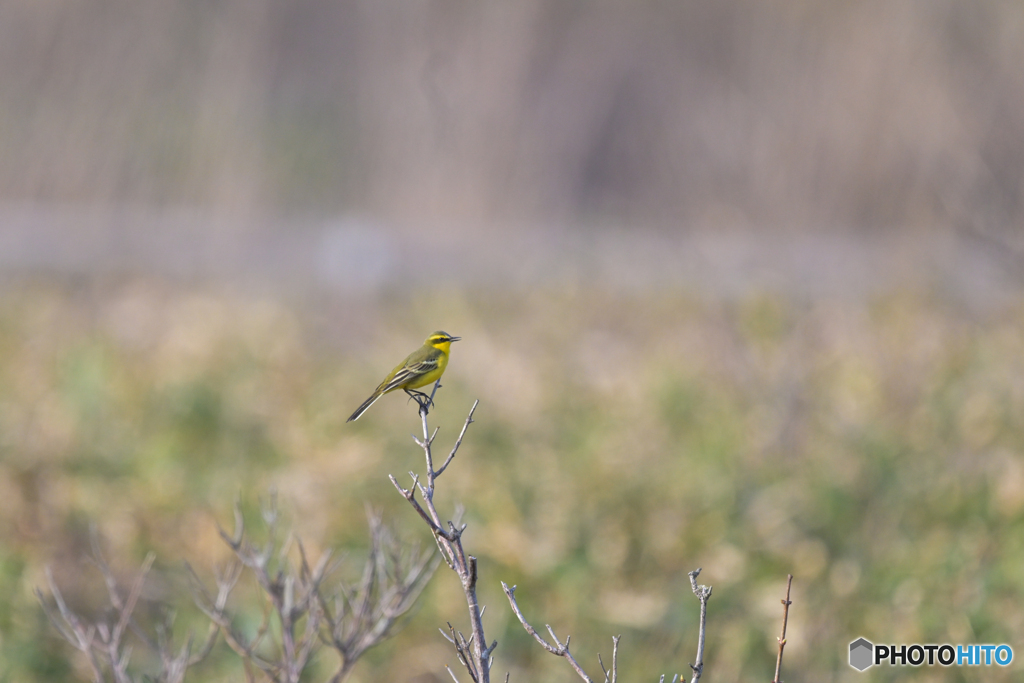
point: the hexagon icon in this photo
(861, 654)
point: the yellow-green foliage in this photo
(871, 448)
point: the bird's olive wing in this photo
(410, 372)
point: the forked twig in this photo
(559, 649)
(473, 652)
(301, 614)
(104, 642)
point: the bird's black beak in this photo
(451, 339)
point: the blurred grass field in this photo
(731, 277)
(870, 447)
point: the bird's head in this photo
(441, 340)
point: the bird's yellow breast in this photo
(435, 374)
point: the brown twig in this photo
(785, 620)
(473, 652)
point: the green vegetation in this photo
(871, 448)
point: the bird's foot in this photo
(424, 401)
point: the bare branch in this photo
(785, 620)
(105, 643)
(133, 596)
(702, 593)
(558, 649)
(214, 609)
(71, 627)
(473, 653)
(458, 442)
(609, 676)
(615, 657)
(347, 618)
(410, 495)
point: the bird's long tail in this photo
(366, 404)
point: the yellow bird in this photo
(424, 366)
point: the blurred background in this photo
(739, 284)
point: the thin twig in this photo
(458, 441)
(558, 649)
(785, 620)
(354, 619)
(473, 653)
(615, 657)
(71, 627)
(702, 593)
(105, 641)
(410, 495)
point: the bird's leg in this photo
(424, 401)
